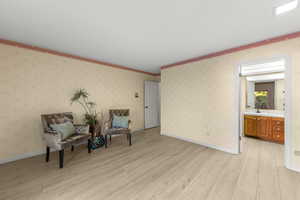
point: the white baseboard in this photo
(32, 154)
(202, 144)
(293, 169)
(138, 131)
(21, 156)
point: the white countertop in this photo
(264, 114)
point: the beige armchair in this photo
(109, 130)
(53, 139)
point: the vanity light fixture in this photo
(274, 66)
(266, 77)
(286, 7)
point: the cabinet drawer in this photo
(278, 136)
(278, 128)
(277, 123)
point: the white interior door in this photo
(152, 104)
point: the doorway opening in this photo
(264, 112)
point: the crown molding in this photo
(57, 53)
(235, 49)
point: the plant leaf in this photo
(78, 94)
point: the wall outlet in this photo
(297, 153)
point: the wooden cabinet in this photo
(278, 130)
(263, 127)
(266, 128)
(250, 126)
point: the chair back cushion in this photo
(65, 129)
(117, 112)
(57, 118)
(120, 121)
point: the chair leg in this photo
(47, 154)
(109, 139)
(61, 158)
(72, 148)
(129, 137)
(89, 146)
(105, 138)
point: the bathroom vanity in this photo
(266, 126)
(264, 107)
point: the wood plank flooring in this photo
(154, 168)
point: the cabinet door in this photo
(250, 125)
(263, 128)
(278, 130)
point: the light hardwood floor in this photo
(155, 167)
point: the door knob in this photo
(146, 106)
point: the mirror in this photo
(265, 93)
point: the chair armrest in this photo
(129, 124)
(107, 124)
(53, 140)
(51, 132)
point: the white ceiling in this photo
(142, 34)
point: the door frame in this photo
(145, 104)
(288, 106)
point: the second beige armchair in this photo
(110, 130)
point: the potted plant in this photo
(81, 96)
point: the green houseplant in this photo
(81, 96)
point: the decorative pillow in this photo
(82, 129)
(120, 121)
(65, 129)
